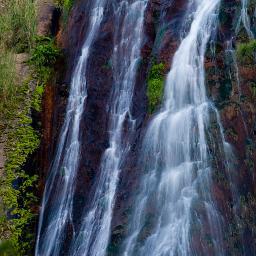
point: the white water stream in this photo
(245, 19)
(175, 155)
(56, 210)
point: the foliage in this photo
(16, 186)
(44, 56)
(65, 6)
(155, 85)
(6, 249)
(7, 81)
(37, 96)
(17, 29)
(246, 52)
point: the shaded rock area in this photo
(22, 68)
(47, 18)
(230, 85)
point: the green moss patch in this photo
(155, 86)
(246, 52)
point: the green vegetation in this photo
(17, 98)
(17, 24)
(7, 81)
(17, 186)
(17, 29)
(43, 57)
(7, 249)
(155, 85)
(65, 6)
(246, 52)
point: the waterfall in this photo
(174, 211)
(56, 210)
(93, 236)
(174, 203)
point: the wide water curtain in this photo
(174, 209)
(57, 204)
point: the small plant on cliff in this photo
(65, 4)
(155, 85)
(65, 7)
(44, 56)
(246, 52)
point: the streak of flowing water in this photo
(56, 210)
(230, 53)
(93, 236)
(245, 19)
(175, 201)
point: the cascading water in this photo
(175, 201)
(245, 19)
(93, 236)
(174, 212)
(56, 211)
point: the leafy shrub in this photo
(44, 56)
(155, 86)
(65, 6)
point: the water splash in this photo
(92, 238)
(56, 210)
(175, 200)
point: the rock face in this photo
(229, 84)
(47, 18)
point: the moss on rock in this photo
(246, 52)
(155, 86)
